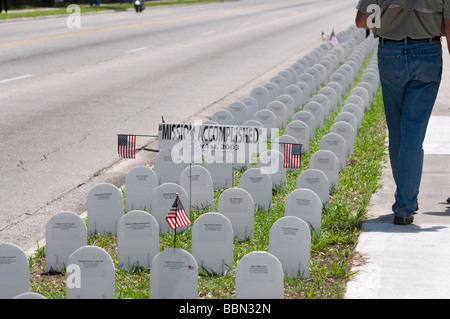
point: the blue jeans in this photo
(410, 75)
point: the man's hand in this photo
(361, 20)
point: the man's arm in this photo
(447, 33)
(361, 20)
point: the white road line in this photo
(208, 32)
(16, 78)
(136, 50)
(245, 24)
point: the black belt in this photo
(407, 40)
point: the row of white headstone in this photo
(138, 231)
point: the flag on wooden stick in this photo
(177, 216)
(292, 155)
(127, 146)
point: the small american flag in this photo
(292, 155)
(127, 146)
(177, 217)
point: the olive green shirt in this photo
(417, 19)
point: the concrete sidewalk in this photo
(412, 261)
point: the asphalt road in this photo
(65, 93)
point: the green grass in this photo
(85, 8)
(331, 252)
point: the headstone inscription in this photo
(90, 274)
(259, 275)
(140, 183)
(238, 206)
(14, 271)
(212, 243)
(168, 170)
(290, 242)
(306, 205)
(335, 143)
(104, 207)
(258, 183)
(174, 275)
(65, 232)
(137, 240)
(328, 163)
(317, 181)
(197, 182)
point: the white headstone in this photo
(30, 295)
(309, 119)
(308, 79)
(238, 206)
(355, 99)
(104, 208)
(163, 198)
(252, 105)
(272, 161)
(239, 111)
(212, 243)
(299, 69)
(288, 101)
(259, 275)
(140, 183)
(280, 81)
(345, 130)
(317, 110)
(306, 92)
(349, 118)
(330, 93)
(174, 275)
(290, 242)
(355, 110)
(317, 181)
(90, 274)
(273, 89)
(335, 143)
(324, 101)
(279, 109)
(339, 91)
(362, 93)
(197, 182)
(368, 88)
(261, 95)
(137, 240)
(328, 163)
(268, 119)
(221, 174)
(300, 131)
(341, 79)
(65, 232)
(305, 204)
(165, 168)
(258, 184)
(372, 79)
(14, 271)
(223, 117)
(317, 77)
(297, 94)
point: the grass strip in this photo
(85, 8)
(331, 252)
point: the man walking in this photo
(410, 66)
